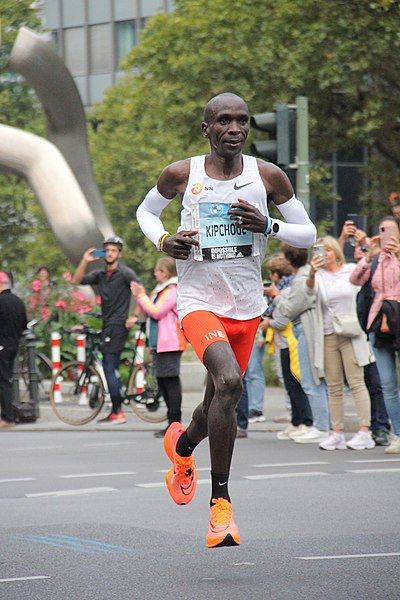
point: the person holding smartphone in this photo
(114, 288)
(386, 285)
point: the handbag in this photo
(346, 325)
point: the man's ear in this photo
(204, 129)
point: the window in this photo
(100, 44)
(125, 38)
(75, 50)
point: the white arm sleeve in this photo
(148, 214)
(298, 230)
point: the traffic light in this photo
(280, 124)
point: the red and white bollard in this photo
(139, 359)
(56, 361)
(81, 357)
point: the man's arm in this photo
(172, 181)
(297, 229)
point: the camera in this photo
(99, 253)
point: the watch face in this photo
(275, 227)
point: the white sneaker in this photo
(394, 446)
(284, 435)
(312, 436)
(335, 441)
(300, 430)
(257, 419)
(362, 440)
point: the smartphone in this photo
(267, 283)
(319, 250)
(386, 232)
(360, 222)
(99, 253)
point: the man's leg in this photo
(111, 371)
(6, 371)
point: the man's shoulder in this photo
(127, 273)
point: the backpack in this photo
(365, 297)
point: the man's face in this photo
(227, 127)
(113, 253)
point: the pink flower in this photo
(67, 276)
(98, 300)
(61, 304)
(45, 313)
(36, 285)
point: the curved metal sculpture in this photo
(66, 209)
(65, 117)
(60, 170)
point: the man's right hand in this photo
(179, 245)
(88, 257)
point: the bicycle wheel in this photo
(77, 396)
(44, 371)
(144, 396)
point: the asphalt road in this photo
(86, 515)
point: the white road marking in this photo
(295, 464)
(72, 492)
(162, 484)
(377, 555)
(24, 578)
(361, 471)
(19, 479)
(374, 460)
(25, 448)
(285, 475)
(109, 444)
(83, 475)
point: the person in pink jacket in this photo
(164, 335)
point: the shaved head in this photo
(214, 105)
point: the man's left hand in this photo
(247, 216)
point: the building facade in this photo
(93, 36)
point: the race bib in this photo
(219, 236)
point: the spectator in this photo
(343, 357)
(12, 325)
(299, 307)
(114, 288)
(384, 254)
(380, 426)
(281, 277)
(165, 337)
(39, 297)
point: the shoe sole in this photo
(363, 448)
(228, 540)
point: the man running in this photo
(219, 248)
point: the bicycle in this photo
(79, 390)
(44, 369)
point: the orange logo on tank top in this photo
(196, 189)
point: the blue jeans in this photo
(379, 416)
(255, 380)
(111, 371)
(242, 409)
(317, 394)
(386, 363)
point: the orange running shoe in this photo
(182, 477)
(222, 529)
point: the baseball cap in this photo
(4, 279)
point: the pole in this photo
(32, 371)
(302, 152)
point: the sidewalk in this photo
(274, 406)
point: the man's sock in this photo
(219, 486)
(185, 446)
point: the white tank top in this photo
(224, 275)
